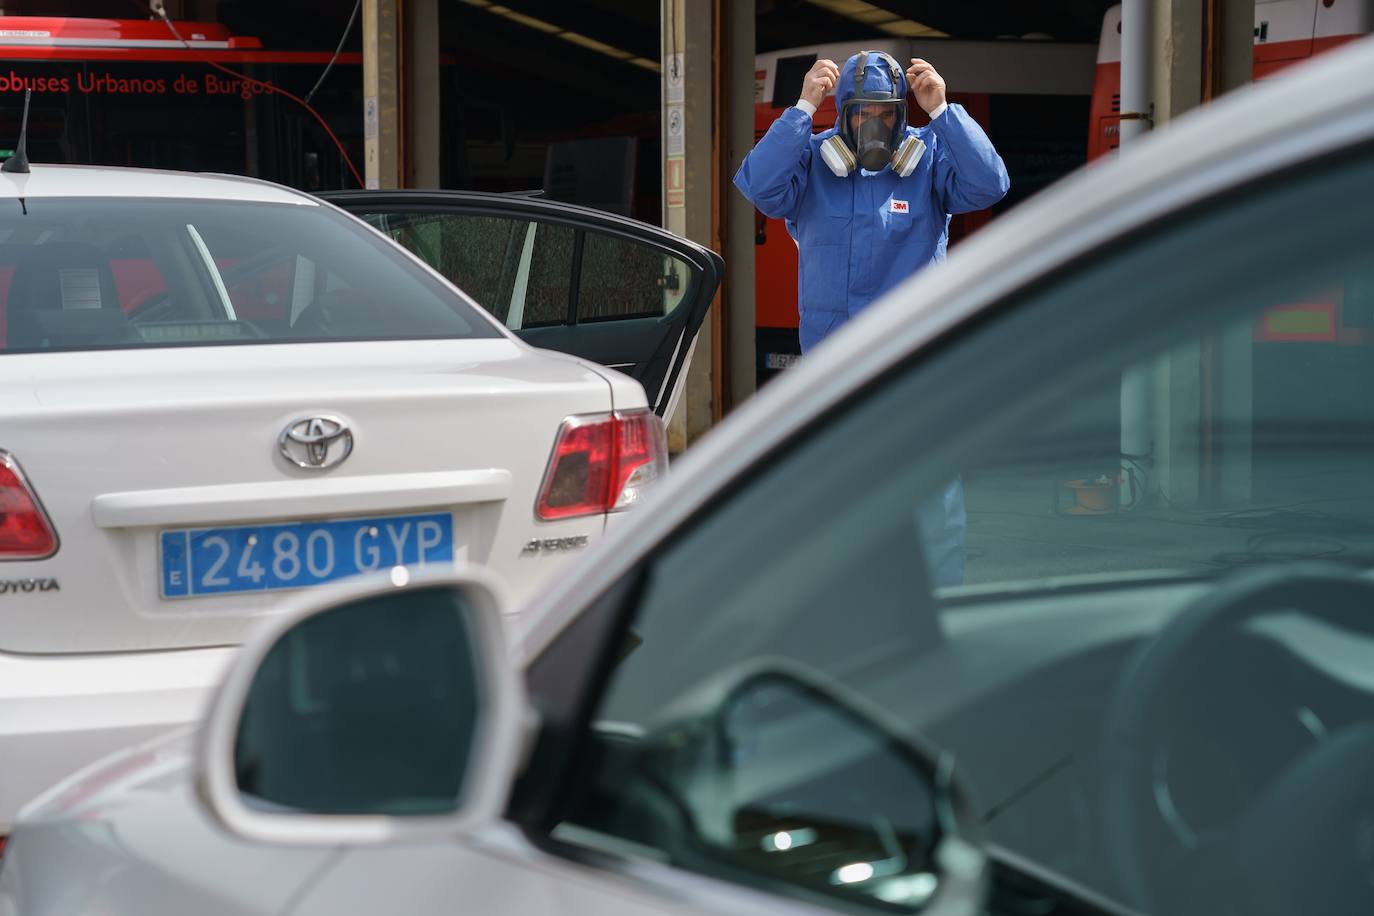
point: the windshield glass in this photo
(82, 274)
(1071, 546)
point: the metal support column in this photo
(689, 173)
(1202, 389)
(382, 111)
(421, 93)
(738, 214)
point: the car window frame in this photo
(534, 223)
(519, 282)
(544, 211)
(568, 700)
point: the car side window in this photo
(622, 278)
(1165, 426)
(519, 270)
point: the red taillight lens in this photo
(602, 463)
(641, 456)
(25, 533)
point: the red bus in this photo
(1031, 96)
(1286, 32)
(129, 92)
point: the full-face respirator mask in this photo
(877, 141)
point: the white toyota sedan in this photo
(215, 390)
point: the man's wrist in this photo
(806, 106)
(937, 110)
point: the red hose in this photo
(277, 89)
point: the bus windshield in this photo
(128, 93)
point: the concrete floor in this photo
(1315, 512)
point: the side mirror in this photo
(379, 709)
(779, 777)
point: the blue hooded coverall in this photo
(859, 236)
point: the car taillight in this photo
(25, 532)
(601, 463)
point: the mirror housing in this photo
(384, 708)
(776, 774)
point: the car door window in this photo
(1128, 436)
(622, 278)
(519, 270)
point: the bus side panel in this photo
(1104, 120)
(1321, 44)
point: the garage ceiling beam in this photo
(594, 20)
(1065, 20)
(497, 46)
(797, 23)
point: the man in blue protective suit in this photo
(868, 203)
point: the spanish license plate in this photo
(780, 360)
(259, 558)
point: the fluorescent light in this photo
(909, 29)
(549, 28)
(879, 18)
(595, 45)
(529, 21)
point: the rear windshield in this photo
(85, 274)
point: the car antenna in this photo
(19, 162)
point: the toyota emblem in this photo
(316, 443)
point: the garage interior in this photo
(575, 98)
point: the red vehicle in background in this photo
(1286, 32)
(1031, 96)
(130, 92)
(1316, 339)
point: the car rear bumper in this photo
(59, 713)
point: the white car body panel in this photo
(625, 391)
(121, 444)
(102, 181)
(59, 712)
(133, 829)
(144, 788)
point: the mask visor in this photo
(873, 129)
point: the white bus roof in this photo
(1012, 66)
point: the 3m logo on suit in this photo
(900, 206)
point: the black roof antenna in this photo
(19, 162)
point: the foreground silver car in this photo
(1149, 694)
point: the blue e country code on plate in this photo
(258, 558)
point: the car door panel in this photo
(608, 289)
(620, 345)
